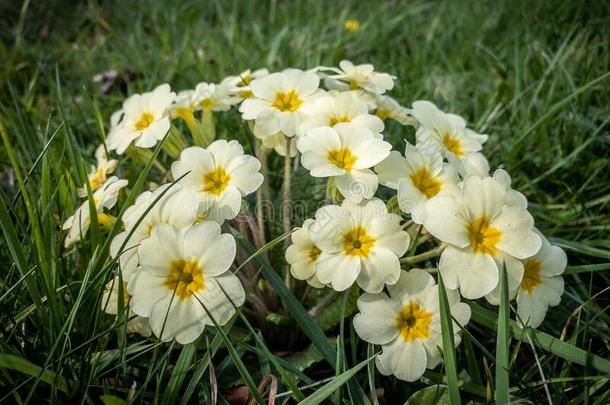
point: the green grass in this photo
(533, 75)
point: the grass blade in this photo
(334, 385)
(448, 344)
(179, 373)
(298, 312)
(502, 349)
(23, 366)
(543, 340)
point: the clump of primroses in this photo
(175, 262)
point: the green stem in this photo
(424, 256)
(286, 206)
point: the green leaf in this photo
(299, 313)
(304, 359)
(433, 395)
(113, 400)
(448, 343)
(307, 324)
(23, 366)
(502, 343)
(179, 373)
(330, 388)
(235, 357)
(543, 340)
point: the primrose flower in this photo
(359, 77)
(239, 85)
(104, 197)
(358, 243)
(389, 108)
(278, 141)
(116, 118)
(144, 121)
(330, 110)
(184, 105)
(407, 324)
(99, 173)
(220, 175)
(167, 204)
(448, 132)
(110, 305)
(418, 176)
(214, 97)
(346, 153)
(542, 284)
(485, 230)
(280, 101)
(302, 256)
(182, 274)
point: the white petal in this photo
(483, 197)
(338, 270)
(531, 309)
(446, 219)
(388, 234)
(332, 222)
(146, 289)
(244, 174)
(412, 282)
(553, 260)
(164, 246)
(376, 321)
(380, 268)
(392, 169)
(227, 207)
(407, 361)
(475, 274)
(518, 238)
(357, 184)
(514, 275)
(177, 318)
(221, 295)
(552, 288)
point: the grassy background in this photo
(533, 75)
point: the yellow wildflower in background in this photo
(352, 25)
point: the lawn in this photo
(534, 76)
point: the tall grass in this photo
(534, 75)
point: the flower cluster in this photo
(174, 261)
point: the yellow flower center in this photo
(413, 322)
(314, 253)
(531, 275)
(105, 220)
(98, 179)
(207, 104)
(358, 242)
(428, 185)
(383, 114)
(216, 182)
(342, 158)
(354, 84)
(483, 238)
(336, 120)
(288, 101)
(246, 94)
(453, 145)
(185, 277)
(186, 113)
(245, 80)
(144, 122)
